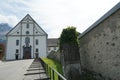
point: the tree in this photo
(69, 53)
(68, 36)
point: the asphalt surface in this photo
(14, 70)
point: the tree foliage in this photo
(68, 36)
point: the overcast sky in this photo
(54, 15)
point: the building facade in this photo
(26, 40)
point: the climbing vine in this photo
(68, 36)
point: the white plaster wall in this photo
(42, 46)
(15, 30)
(24, 29)
(37, 28)
(11, 48)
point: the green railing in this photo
(52, 73)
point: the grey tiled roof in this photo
(52, 42)
(109, 13)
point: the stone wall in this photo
(54, 55)
(70, 59)
(100, 48)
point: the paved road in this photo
(14, 70)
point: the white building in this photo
(26, 40)
(52, 45)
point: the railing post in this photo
(50, 72)
(46, 68)
(53, 74)
(59, 77)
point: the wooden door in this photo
(27, 55)
(26, 52)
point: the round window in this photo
(27, 32)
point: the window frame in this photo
(17, 42)
(17, 51)
(37, 50)
(27, 26)
(37, 42)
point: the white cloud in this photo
(58, 14)
(11, 20)
(54, 15)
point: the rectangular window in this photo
(27, 25)
(17, 42)
(36, 49)
(36, 41)
(17, 51)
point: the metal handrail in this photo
(63, 78)
(52, 76)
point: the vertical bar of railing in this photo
(51, 72)
(59, 77)
(46, 68)
(53, 75)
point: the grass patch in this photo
(54, 64)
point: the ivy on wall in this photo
(68, 36)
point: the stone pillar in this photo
(70, 58)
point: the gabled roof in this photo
(32, 20)
(52, 42)
(105, 16)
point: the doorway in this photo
(27, 52)
(27, 55)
